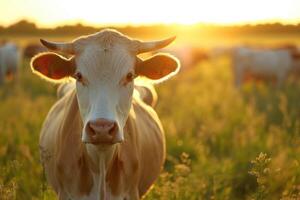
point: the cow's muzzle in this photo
(102, 131)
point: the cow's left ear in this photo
(158, 67)
(53, 66)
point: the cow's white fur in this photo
(105, 96)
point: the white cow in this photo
(189, 56)
(102, 140)
(9, 60)
(262, 63)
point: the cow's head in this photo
(104, 66)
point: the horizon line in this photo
(124, 24)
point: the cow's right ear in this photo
(53, 66)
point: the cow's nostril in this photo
(113, 130)
(101, 131)
(90, 130)
(101, 126)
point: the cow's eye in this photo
(129, 77)
(78, 76)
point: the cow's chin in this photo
(101, 147)
(101, 143)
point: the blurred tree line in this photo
(25, 27)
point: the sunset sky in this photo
(47, 13)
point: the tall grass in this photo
(24, 105)
(223, 130)
(215, 135)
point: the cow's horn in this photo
(153, 45)
(62, 47)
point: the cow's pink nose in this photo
(102, 131)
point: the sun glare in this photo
(94, 12)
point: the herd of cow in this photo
(268, 64)
(102, 139)
(249, 63)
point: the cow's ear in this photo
(53, 66)
(158, 67)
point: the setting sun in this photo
(135, 12)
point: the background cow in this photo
(189, 56)
(32, 49)
(275, 64)
(9, 60)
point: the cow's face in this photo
(104, 66)
(104, 90)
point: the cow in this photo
(32, 49)
(263, 64)
(189, 56)
(100, 140)
(9, 60)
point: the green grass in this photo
(215, 135)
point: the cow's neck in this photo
(102, 160)
(98, 166)
(100, 156)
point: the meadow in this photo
(222, 143)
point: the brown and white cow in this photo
(101, 140)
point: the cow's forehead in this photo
(105, 53)
(105, 60)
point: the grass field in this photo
(222, 143)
